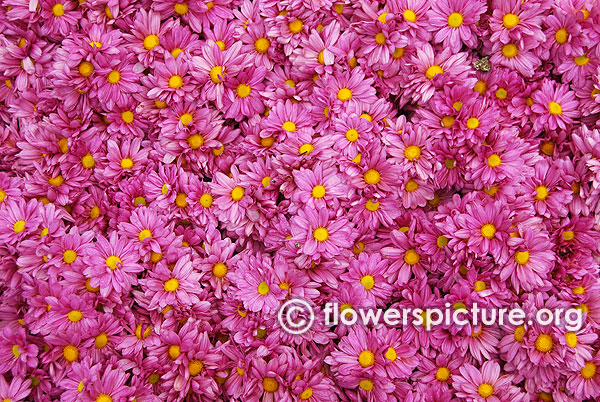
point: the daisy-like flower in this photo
(17, 355)
(253, 279)
(319, 187)
(125, 158)
(320, 235)
(241, 98)
(555, 106)
(171, 82)
(345, 89)
(18, 219)
(367, 275)
(454, 22)
(178, 286)
(17, 390)
(112, 265)
(484, 384)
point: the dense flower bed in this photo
(171, 172)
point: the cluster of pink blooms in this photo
(171, 171)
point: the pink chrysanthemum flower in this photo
(484, 384)
(17, 220)
(242, 94)
(171, 82)
(367, 274)
(555, 106)
(17, 390)
(454, 22)
(178, 286)
(112, 264)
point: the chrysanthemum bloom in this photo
(406, 258)
(178, 286)
(367, 275)
(253, 279)
(124, 159)
(347, 89)
(320, 235)
(242, 94)
(116, 79)
(545, 190)
(516, 56)
(555, 106)
(110, 385)
(171, 82)
(285, 118)
(585, 383)
(16, 354)
(17, 390)
(513, 20)
(18, 219)
(147, 33)
(230, 198)
(375, 174)
(146, 228)
(484, 384)
(454, 22)
(357, 354)
(214, 67)
(112, 264)
(319, 187)
(411, 150)
(486, 229)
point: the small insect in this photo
(483, 64)
(297, 245)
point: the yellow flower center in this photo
(243, 90)
(411, 186)
(581, 60)
(195, 367)
(366, 358)
(144, 234)
(181, 8)
(510, 20)
(70, 353)
(114, 77)
(151, 41)
(237, 193)
(588, 371)
(579, 290)
(58, 10)
(112, 262)
(368, 282)
(175, 82)
(262, 45)
(318, 191)
(372, 206)
(510, 50)
(480, 86)
(541, 193)
(126, 163)
(412, 152)
(215, 72)
(366, 385)
(344, 94)
(501, 93)
(519, 333)
(442, 374)
(56, 181)
(479, 286)
(19, 226)
(181, 200)
(544, 343)
(455, 20)
(104, 398)
(488, 231)
(306, 149)
(411, 257)
(195, 141)
(263, 288)
(571, 339)
(521, 257)
(561, 36)
(380, 38)
(74, 315)
(127, 116)
(86, 68)
(442, 241)
(186, 118)
(485, 390)
(321, 234)
(447, 121)
(15, 351)
(289, 126)
(568, 235)
(554, 108)
(174, 351)
(206, 200)
(494, 160)
(307, 393)
(352, 135)
(410, 15)
(101, 341)
(473, 123)
(219, 270)
(270, 384)
(295, 26)
(171, 285)
(433, 71)
(69, 256)
(372, 176)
